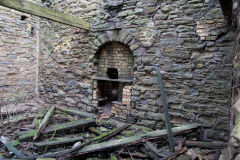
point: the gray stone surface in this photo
(18, 57)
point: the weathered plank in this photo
(134, 139)
(11, 148)
(44, 122)
(76, 112)
(60, 142)
(106, 135)
(70, 125)
(26, 135)
(58, 128)
(38, 118)
(37, 10)
(211, 145)
(113, 132)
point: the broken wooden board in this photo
(11, 148)
(37, 10)
(83, 123)
(44, 122)
(26, 135)
(76, 113)
(109, 135)
(210, 145)
(38, 118)
(56, 143)
(106, 135)
(134, 139)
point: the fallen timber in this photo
(57, 143)
(79, 124)
(210, 145)
(76, 113)
(83, 123)
(104, 136)
(165, 110)
(11, 148)
(134, 140)
(44, 123)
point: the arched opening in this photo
(115, 57)
(114, 65)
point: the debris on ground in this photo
(59, 133)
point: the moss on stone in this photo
(214, 14)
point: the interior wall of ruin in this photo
(18, 56)
(190, 41)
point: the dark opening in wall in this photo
(23, 17)
(112, 73)
(108, 92)
(32, 33)
(227, 6)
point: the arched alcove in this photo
(115, 61)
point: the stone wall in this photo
(18, 56)
(189, 39)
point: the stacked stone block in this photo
(210, 29)
(18, 56)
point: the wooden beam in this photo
(83, 123)
(134, 140)
(56, 143)
(44, 122)
(97, 139)
(11, 148)
(37, 10)
(76, 112)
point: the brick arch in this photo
(116, 55)
(116, 36)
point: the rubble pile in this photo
(60, 133)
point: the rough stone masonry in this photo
(191, 41)
(18, 56)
